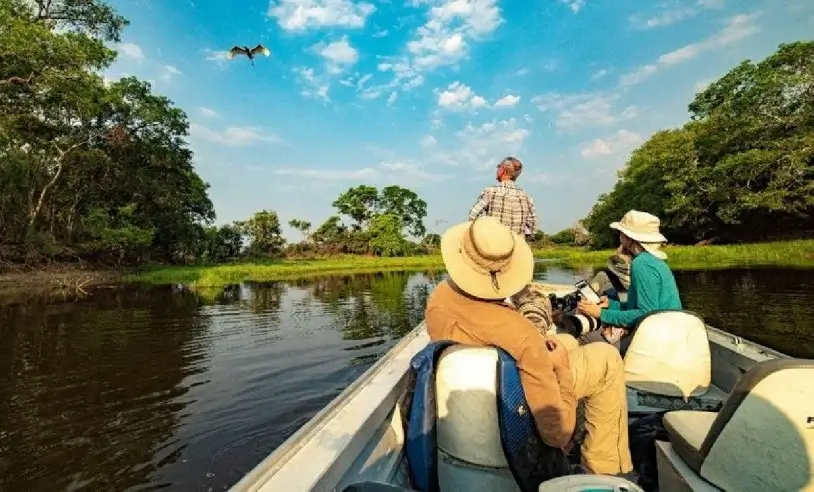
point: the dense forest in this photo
(742, 169)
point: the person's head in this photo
(509, 169)
(639, 231)
(486, 260)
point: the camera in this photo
(575, 324)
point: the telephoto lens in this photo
(579, 324)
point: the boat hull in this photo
(359, 436)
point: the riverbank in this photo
(218, 275)
(67, 280)
(789, 254)
(780, 254)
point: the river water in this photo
(154, 388)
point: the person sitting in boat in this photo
(487, 263)
(652, 284)
(512, 206)
(614, 279)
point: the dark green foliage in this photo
(741, 170)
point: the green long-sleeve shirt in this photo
(652, 288)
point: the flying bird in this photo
(257, 50)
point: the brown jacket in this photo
(549, 389)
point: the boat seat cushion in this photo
(762, 438)
(687, 430)
(669, 355)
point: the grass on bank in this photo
(779, 254)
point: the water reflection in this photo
(166, 387)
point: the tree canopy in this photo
(741, 169)
(88, 167)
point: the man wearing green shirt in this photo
(652, 284)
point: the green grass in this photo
(798, 253)
(778, 254)
(218, 275)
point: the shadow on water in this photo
(150, 388)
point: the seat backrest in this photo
(763, 437)
(468, 431)
(669, 355)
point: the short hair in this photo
(512, 165)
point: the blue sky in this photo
(431, 94)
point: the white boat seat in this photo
(668, 355)
(470, 453)
(763, 436)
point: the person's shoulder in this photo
(645, 262)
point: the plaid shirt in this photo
(508, 204)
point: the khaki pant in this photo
(599, 379)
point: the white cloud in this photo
(301, 15)
(169, 72)
(523, 71)
(599, 74)
(673, 14)
(428, 141)
(381, 34)
(338, 55)
(131, 50)
(579, 110)
(328, 174)
(444, 39)
(618, 144)
(507, 101)
(316, 87)
(397, 169)
(574, 5)
(458, 97)
(233, 136)
(736, 29)
(392, 98)
(218, 57)
(208, 112)
(482, 147)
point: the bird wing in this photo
(260, 49)
(236, 50)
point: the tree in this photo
(264, 233)
(742, 169)
(330, 231)
(358, 203)
(85, 166)
(301, 225)
(385, 235)
(406, 205)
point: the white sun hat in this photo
(643, 228)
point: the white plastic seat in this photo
(668, 364)
(470, 454)
(762, 438)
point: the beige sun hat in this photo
(486, 259)
(643, 228)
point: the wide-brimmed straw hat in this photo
(486, 259)
(643, 228)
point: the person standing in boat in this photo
(487, 263)
(509, 204)
(652, 284)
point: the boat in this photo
(726, 436)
